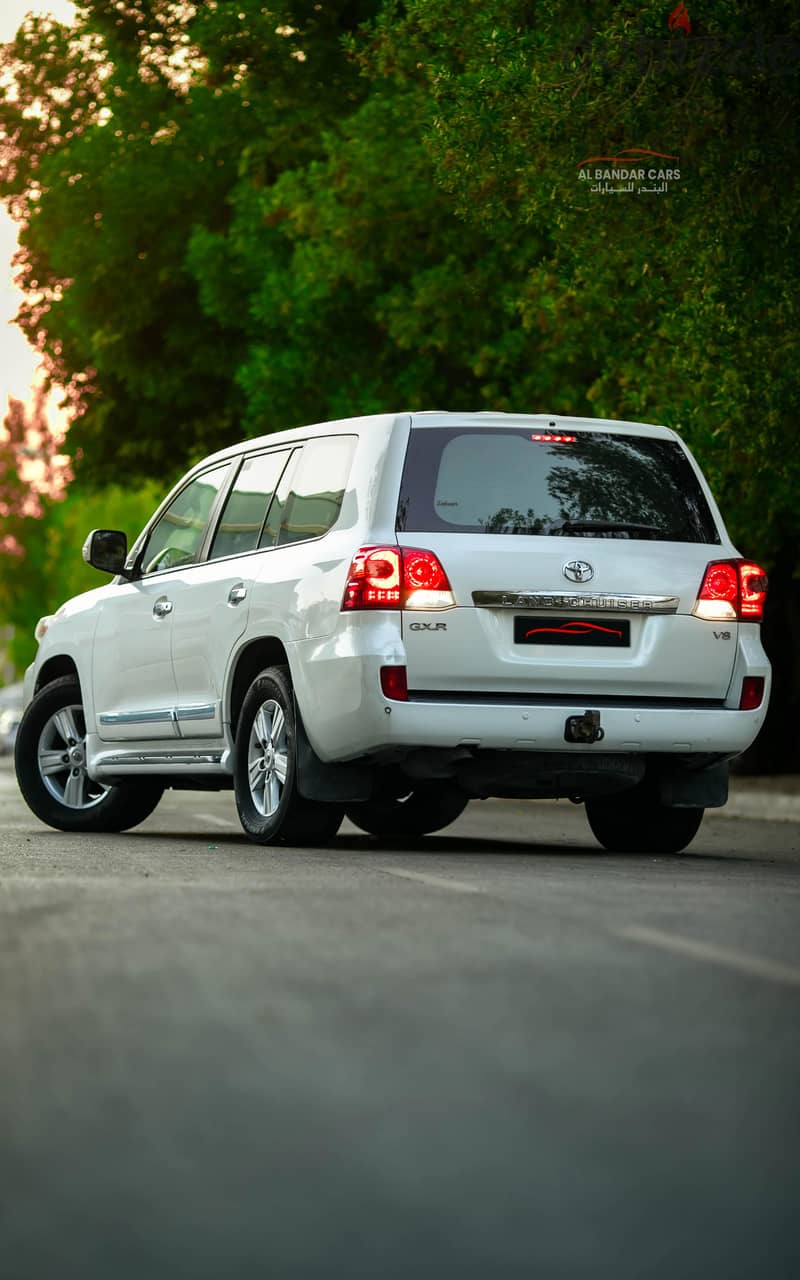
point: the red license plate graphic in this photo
(600, 632)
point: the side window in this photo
(269, 534)
(317, 489)
(177, 534)
(246, 507)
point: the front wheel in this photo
(271, 809)
(636, 822)
(50, 761)
(428, 808)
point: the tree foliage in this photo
(123, 135)
(41, 534)
(237, 218)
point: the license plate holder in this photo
(572, 632)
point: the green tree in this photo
(41, 533)
(121, 136)
(237, 219)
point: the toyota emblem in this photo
(578, 571)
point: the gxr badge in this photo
(578, 570)
(427, 626)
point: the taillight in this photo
(753, 582)
(732, 590)
(396, 578)
(374, 579)
(752, 693)
(425, 583)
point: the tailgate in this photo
(524, 625)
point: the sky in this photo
(18, 362)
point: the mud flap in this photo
(679, 788)
(332, 783)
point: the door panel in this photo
(212, 603)
(134, 681)
(134, 685)
(213, 598)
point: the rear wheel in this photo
(428, 808)
(636, 822)
(50, 760)
(271, 809)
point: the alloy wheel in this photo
(61, 757)
(267, 758)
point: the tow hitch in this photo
(585, 728)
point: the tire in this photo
(50, 761)
(635, 821)
(271, 809)
(428, 808)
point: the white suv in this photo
(388, 616)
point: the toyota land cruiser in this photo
(390, 616)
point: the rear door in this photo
(214, 597)
(575, 558)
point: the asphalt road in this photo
(501, 1053)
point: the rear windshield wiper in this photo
(605, 526)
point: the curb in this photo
(767, 799)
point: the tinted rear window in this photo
(469, 480)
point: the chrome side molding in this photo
(161, 715)
(196, 713)
(160, 758)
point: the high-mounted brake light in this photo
(547, 439)
(396, 578)
(732, 590)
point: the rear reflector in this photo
(752, 693)
(394, 683)
(396, 578)
(732, 590)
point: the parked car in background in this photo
(9, 723)
(390, 616)
(11, 699)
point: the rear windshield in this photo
(593, 485)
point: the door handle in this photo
(161, 608)
(237, 594)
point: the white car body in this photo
(162, 660)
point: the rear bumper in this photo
(637, 729)
(348, 717)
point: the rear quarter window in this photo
(317, 489)
(597, 484)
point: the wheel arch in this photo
(316, 781)
(253, 658)
(53, 669)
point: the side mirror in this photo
(106, 550)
